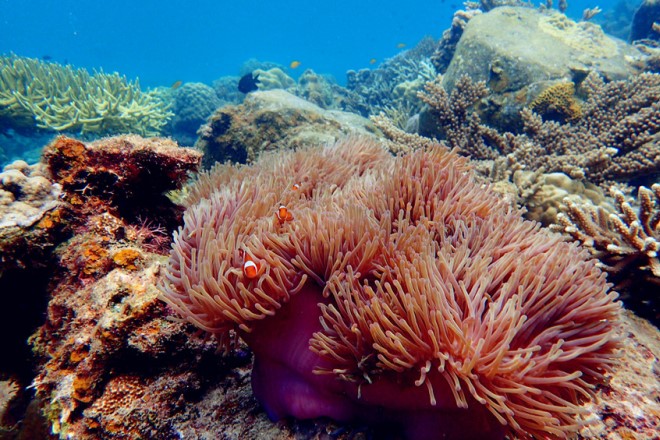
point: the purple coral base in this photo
(284, 382)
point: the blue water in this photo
(165, 41)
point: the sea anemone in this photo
(396, 289)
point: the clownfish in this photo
(250, 268)
(283, 214)
(295, 186)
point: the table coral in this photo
(398, 291)
(61, 98)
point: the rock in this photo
(32, 216)
(643, 19)
(520, 51)
(273, 119)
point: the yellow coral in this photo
(63, 98)
(558, 102)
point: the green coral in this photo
(62, 98)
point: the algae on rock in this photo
(63, 98)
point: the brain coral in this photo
(392, 290)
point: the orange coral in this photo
(127, 258)
(558, 102)
(428, 280)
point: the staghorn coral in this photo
(400, 291)
(62, 98)
(615, 139)
(626, 242)
(451, 116)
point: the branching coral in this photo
(452, 115)
(616, 138)
(65, 99)
(398, 290)
(622, 241)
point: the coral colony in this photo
(393, 289)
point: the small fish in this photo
(295, 186)
(372, 61)
(295, 64)
(250, 269)
(46, 57)
(401, 45)
(283, 215)
(176, 85)
(248, 83)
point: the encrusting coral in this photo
(557, 103)
(393, 289)
(61, 98)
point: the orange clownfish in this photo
(250, 268)
(295, 186)
(283, 214)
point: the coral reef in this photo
(192, 104)
(33, 218)
(269, 120)
(274, 78)
(615, 139)
(84, 229)
(61, 98)
(408, 69)
(545, 47)
(124, 175)
(102, 379)
(102, 285)
(626, 242)
(557, 103)
(393, 289)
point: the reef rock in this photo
(643, 19)
(32, 216)
(519, 52)
(273, 119)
